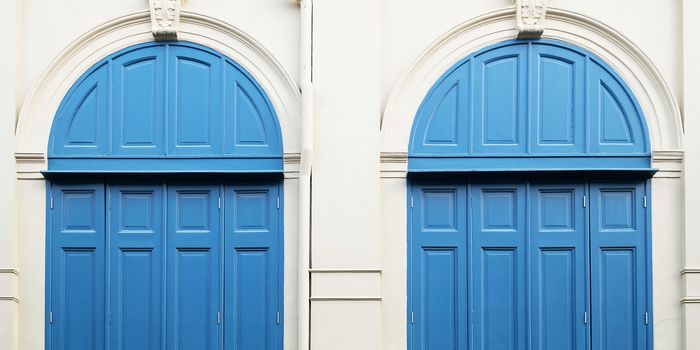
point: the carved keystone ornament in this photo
(529, 16)
(165, 18)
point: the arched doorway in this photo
(164, 225)
(528, 217)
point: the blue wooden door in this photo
(76, 271)
(550, 265)
(439, 263)
(251, 298)
(135, 238)
(193, 277)
(499, 266)
(618, 266)
(558, 274)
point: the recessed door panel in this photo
(558, 279)
(499, 236)
(193, 267)
(618, 273)
(500, 101)
(439, 261)
(251, 297)
(76, 265)
(135, 235)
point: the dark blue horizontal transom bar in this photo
(529, 164)
(166, 165)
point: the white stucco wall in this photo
(362, 51)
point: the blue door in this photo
(618, 266)
(76, 271)
(439, 265)
(499, 257)
(164, 266)
(135, 238)
(251, 298)
(528, 265)
(193, 306)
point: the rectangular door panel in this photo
(558, 266)
(618, 277)
(500, 105)
(76, 265)
(136, 236)
(438, 248)
(193, 272)
(499, 236)
(251, 290)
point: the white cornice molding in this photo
(658, 103)
(37, 112)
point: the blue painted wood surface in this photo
(528, 265)
(528, 100)
(164, 265)
(159, 101)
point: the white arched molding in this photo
(659, 105)
(39, 108)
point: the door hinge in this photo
(278, 202)
(219, 202)
(646, 318)
(51, 201)
(218, 317)
(278, 317)
(50, 317)
(411, 201)
(584, 201)
(412, 317)
(585, 317)
(645, 200)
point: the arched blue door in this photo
(156, 237)
(528, 205)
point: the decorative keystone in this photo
(165, 18)
(529, 16)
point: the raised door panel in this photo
(557, 121)
(193, 267)
(558, 281)
(618, 272)
(136, 238)
(195, 114)
(499, 266)
(138, 102)
(76, 264)
(250, 126)
(616, 123)
(252, 265)
(444, 120)
(81, 123)
(438, 244)
(500, 101)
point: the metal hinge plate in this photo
(645, 200)
(585, 200)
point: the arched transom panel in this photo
(529, 105)
(166, 107)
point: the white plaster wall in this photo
(359, 218)
(47, 27)
(408, 27)
(345, 180)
